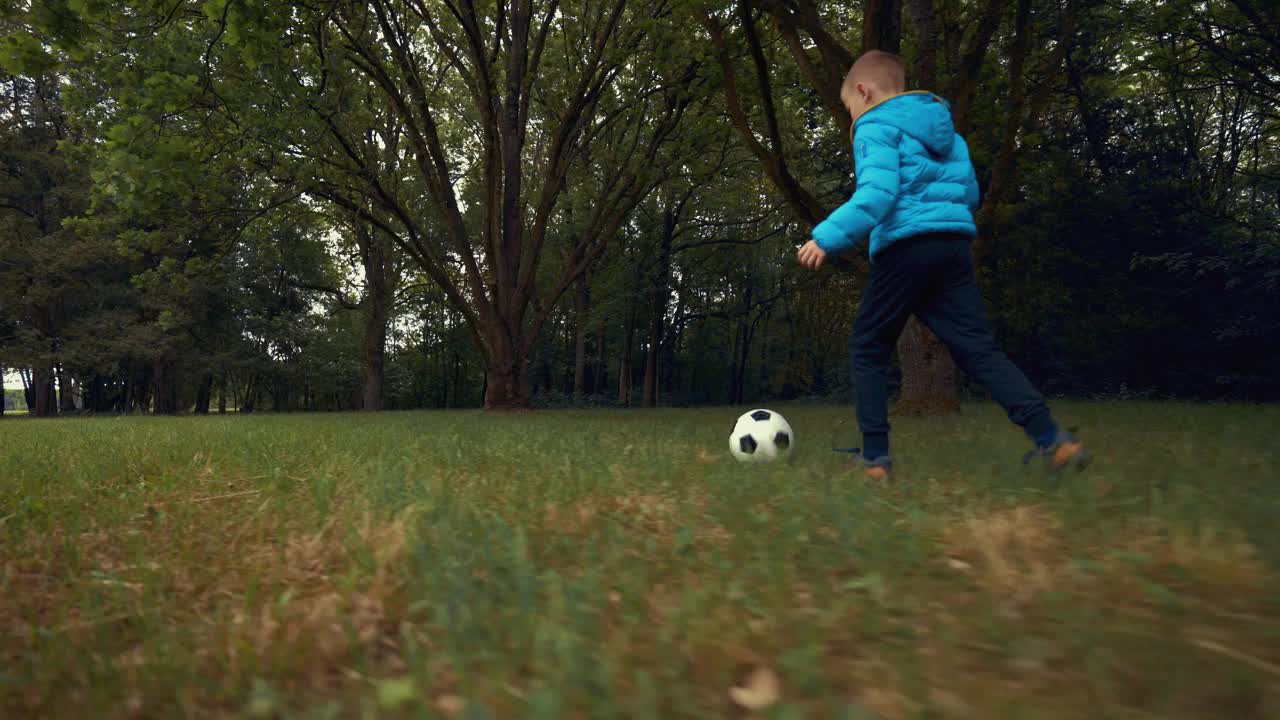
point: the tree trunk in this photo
(4, 394)
(375, 344)
(249, 402)
(506, 387)
(952, 34)
(966, 75)
(882, 25)
(624, 366)
(374, 252)
(93, 392)
(506, 371)
(928, 374)
(28, 388)
(204, 394)
(649, 394)
(280, 395)
(1002, 170)
(661, 295)
(222, 395)
(740, 372)
(733, 360)
(929, 378)
(166, 388)
(600, 381)
(142, 389)
(925, 68)
(581, 308)
(45, 397)
(66, 391)
(124, 402)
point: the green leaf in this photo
(396, 692)
(22, 53)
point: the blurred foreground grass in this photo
(619, 564)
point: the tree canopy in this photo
(341, 204)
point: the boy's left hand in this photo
(812, 256)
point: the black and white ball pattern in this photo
(761, 436)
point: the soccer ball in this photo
(762, 436)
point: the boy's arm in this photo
(876, 168)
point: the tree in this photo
(440, 72)
(40, 265)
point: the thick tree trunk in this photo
(882, 25)
(506, 387)
(204, 394)
(581, 309)
(376, 308)
(42, 388)
(929, 377)
(375, 344)
(506, 372)
(222, 395)
(925, 68)
(166, 388)
(928, 374)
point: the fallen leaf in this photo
(761, 689)
(451, 705)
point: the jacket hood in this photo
(922, 115)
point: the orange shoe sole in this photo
(877, 474)
(1067, 454)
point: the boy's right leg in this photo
(893, 286)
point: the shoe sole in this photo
(1079, 460)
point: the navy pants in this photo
(931, 276)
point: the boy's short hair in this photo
(877, 67)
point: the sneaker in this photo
(1066, 451)
(878, 470)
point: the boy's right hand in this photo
(811, 255)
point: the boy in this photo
(915, 198)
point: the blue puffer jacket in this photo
(913, 177)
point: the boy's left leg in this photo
(957, 316)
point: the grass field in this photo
(611, 564)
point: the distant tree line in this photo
(270, 205)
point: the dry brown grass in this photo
(1015, 552)
(308, 603)
(1020, 552)
(314, 615)
(650, 514)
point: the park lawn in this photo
(620, 564)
